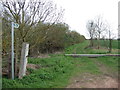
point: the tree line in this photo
(40, 24)
(99, 29)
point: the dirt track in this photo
(87, 80)
(91, 81)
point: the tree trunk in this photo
(99, 42)
(110, 42)
(91, 42)
(110, 45)
(9, 66)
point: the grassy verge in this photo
(57, 70)
(57, 73)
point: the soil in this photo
(43, 56)
(58, 52)
(33, 66)
(91, 81)
(107, 80)
(47, 55)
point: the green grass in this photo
(80, 48)
(105, 43)
(77, 48)
(57, 70)
(49, 76)
(110, 62)
(57, 73)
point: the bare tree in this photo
(100, 28)
(118, 32)
(91, 30)
(111, 36)
(110, 42)
(28, 14)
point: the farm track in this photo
(106, 70)
(92, 81)
(87, 80)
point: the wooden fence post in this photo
(23, 61)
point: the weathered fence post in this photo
(23, 61)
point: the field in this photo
(59, 71)
(115, 43)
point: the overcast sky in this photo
(78, 12)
